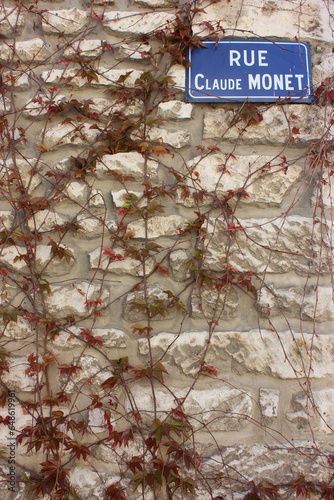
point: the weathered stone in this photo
(315, 412)
(20, 81)
(5, 105)
(29, 51)
(61, 135)
(275, 246)
(66, 21)
(239, 351)
(11, 20)
(274, 129)
(213, 304)
(16, 378)
(91, 226)
(310, 304)
(156, 3)
(158, 226)
(179, 264)
(21, 420)
(67, 300)
(135, 50)
(134, 305)
(77, 191)
(96, 421)
(45, 220)
(266, 19)
(87, 482)
(136, 23)
(268, 399)
(127, 164)
(6, 219)
(71, 338)
(40, 104)
(103, 77)
(175, 138)
(178, 74)
(323, 192)
(92, 372)
(175, 110)
(219, 409)
(19, 329)
(323, 70)
(106, 107)
(119, 197)
(96, 199)
(85, 48)
(265, 181)
(98, 259)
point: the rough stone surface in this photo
(77, 191)
(16, 379)
(220, 409)
(156, 3)
(179, 264)
(104, 77)
(20, 81)
(155, 297)
(96, 198)
(214, 305)
(175, 110)
(267, 19)
(65, 21)
(158, 226)
(19, 329)
(268, 399)
(136, 51)
(135, 23)
(272, 130)
(6, 219)
(93, 226)
(67, 300)
(61, 135)
(39, 105)
(71, 338)
(311, 304)
(107, 107)
(284, 355)
(127, 164)
(45, 221)
(265, 182)
(32, 50)
(92, 372)
(176, 138)
(11, 20)
(314, 412)
(121, 265)
(275, 245)
(85, 48)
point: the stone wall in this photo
(193, 240)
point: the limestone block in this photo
(84, 48)
(179, 265)
(96, 199)
(108, 107)
(272, 130)
(175, 110)
(265, 181)
(71, 299)
(323, 70)
(61, 135)
(267, 19)
(156, 3)
(96, 421)
(134, 305)
(277, 246)
(92, 372)
(220, 409)
(5, 105)
(92, 226)
(134, 50)
(104, 77)
(20, 329)
(214, 304)
(67, 21)
(20, 81)
(21, 420)
(314, 412)
(10, 21)
(239, 352)
(118, 197)
(136, 23)
(178, 74)
(70, 338)
(127, 164)
(16, 378)
(323, 192)
(268, 399)
(87, 482)
(98, 259)
(310, 304)
(77, 191)
(45, 220)
(27, 52)
(158, 226)
(6, 219)
(40, 104)
(175, 138)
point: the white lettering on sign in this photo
(235, 57)
(276, 82)
(202, 83)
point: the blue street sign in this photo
(260, 71)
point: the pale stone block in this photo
(96, 421)
(16, 378)
(118, 197)
(310, 303)
(155, 297)
(87, 482)
(20, 81)
(137, 23)
(268, 399)
(127, 164)
(60, 135)
(92, 226)
(77, 191)
(214, 305)
(71, 338)
(323, 70)
(6, 219)
(19, 329)
(175, 110)
(92, 371)
(272, 130)
(27, 52)
(314, 413)
(175, 138)
(266, 19)
(84, 48)
(220, 409)
(45, 220)
(67, 21)
(106, 107)
(266, 181)
(104, 77)
(5, 105)
(20, 421)
(96, 199)
(323, 193)
(178, 74)
(121, 265)
(156, 3)
(71, 299)
(40, 104)
(24, 171)
(135, 51)
(275, 245)
(179, 264)
(158, 226)
(10, 21)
